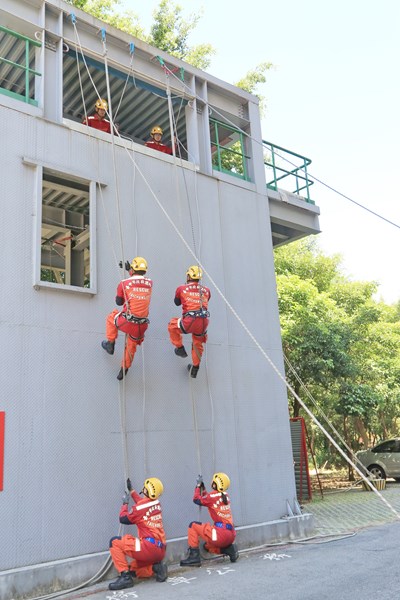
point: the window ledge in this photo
(64, 288)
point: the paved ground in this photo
(355, 553)
(353, 508)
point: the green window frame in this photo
(17, 79)
(228, 150)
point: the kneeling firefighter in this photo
(194, 299)
(220, 536)
(147, 550)
(134, 295)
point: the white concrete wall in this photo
(64, 467)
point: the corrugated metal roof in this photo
(137, 106)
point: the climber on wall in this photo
(194, 299)
(134, 295)
(220, 536)
(147, 550)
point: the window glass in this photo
(390, 446)
(65, 231)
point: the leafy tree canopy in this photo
(343, 344)
(170, 32)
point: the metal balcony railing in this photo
(17, 77)
(289, 168)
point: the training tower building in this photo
(75, 202)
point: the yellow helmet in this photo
(154, 487)
(139, 264)
(101, 103)
(222, 481)
(156, 129)
(194, 272)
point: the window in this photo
(390, 446)
(17, 66)
(228, 149)
(65, 232)
(137, 105)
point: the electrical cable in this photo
(104, 569)
(307, 173)
(252, 337)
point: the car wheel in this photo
(377, 471)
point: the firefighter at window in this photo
(220, 536)
(193, 297)
(134, 295)
(147, 549)
(98, 120)
(156, 143)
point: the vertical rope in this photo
(113, 150)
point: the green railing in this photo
(280, 162)
(28, 72)
(228, 158)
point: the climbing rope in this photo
(249, 333)
(107, 563)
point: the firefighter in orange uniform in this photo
(156, 143)
(134, 295)
(98, 120)
(147, 549)
(220, 536)
(194, 299)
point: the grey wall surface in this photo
(64, 452)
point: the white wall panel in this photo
(64, 468)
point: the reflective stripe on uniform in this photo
(147, 505)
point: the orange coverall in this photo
(149, 546)
(159, 146)
(134, 294)
(194, 300)
(98, 123)
(219, 535)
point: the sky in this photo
(333, 96)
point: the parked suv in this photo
(383, 460)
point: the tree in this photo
(344, 345)
(252, 79)
(170, 32)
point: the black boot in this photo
(193, 370)
(160, 570)
(205, 547)
(231, 551)
(181, 351)
(123, 581)
(121, 374)
(193, 558)
(108, 346)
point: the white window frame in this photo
(37, 237)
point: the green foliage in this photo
(357, 400)
(253, 79)
(170, 30)
(343, 344)
(231, 159)
(306, 260)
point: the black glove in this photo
(127, 265)
(125, 498)
(199, 481)
(129, 485)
